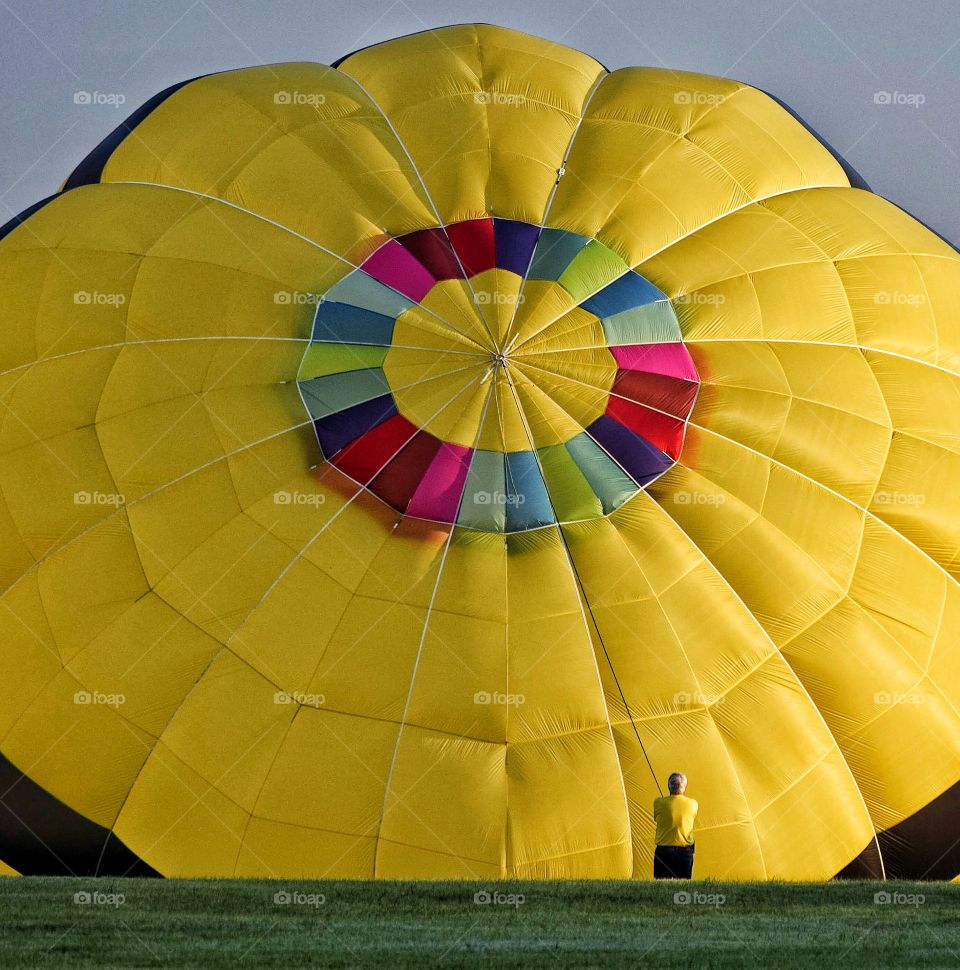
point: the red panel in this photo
(433, 250)
(474, 243)
(659, 391)
(399, 480)
(661, 431)
(365, 457)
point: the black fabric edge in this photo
(91, 168)
(866, 865)
(41, 836)
(925, 845)
(22, 217)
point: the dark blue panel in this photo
(338, 430)
(515, 243)
(624, 293)
(638, 458)
(352, 325)
(528, 503)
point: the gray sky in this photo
(827, 60)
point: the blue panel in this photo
(351, 325)
(528, 504)
(338, 430)
(556, 250)
(629, 291)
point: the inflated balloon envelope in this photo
(407, 463)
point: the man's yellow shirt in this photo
(674, 815)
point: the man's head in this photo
(677, 783)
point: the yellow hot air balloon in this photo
(407, 464)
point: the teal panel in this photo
(485, 493)
(328, 395)
(361, 290)
(612, 485)
(650, 324)
(556, 250)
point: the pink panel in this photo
(672, 359)
(438, 494)
(394, 266)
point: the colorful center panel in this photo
(498, 375)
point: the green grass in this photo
(235, 923)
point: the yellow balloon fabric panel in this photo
(406, 465)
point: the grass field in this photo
(58, 922)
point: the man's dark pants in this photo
(673, 862)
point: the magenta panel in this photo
(438, 494)
(671, 359)
(395, 267)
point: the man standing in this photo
(674, 815)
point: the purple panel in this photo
(393, 266)
(635, 455)
(515, 244)
(338, 430)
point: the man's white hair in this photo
(676, 781)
